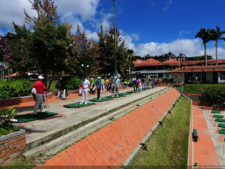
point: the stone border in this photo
(11, 135)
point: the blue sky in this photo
(148, 26)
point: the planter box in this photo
(12, 145)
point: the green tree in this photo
(215, 34)
(50, 38)
(106, 52)
(204, 35)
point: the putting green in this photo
(31, 117)
(101, 100)
(216, 111)
(221, 125)
(124, 94)
(222, 131)
(218, 116)
(78, 105)
(220, 120)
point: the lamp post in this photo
(84, 67)
(115, 38)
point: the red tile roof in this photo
(171, 62)
(149, 62)
(211, 68)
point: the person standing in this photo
(107, 84)
(98, 85)
(135, 84)
(103, 85)
(59, 88)
(39, 96)
(116, 84)
(85, 84)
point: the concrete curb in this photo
(11, 135)
(131, 157)
(189, 134)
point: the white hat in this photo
(115, 77)
(40, 77)
(99, 77)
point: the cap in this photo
(115, 77)
(40, 77)
(99, 77)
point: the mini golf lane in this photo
(113, 144)
(203, 151)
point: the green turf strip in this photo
(78, 105)
(101, 100)
(221, 125)
(216, 111)
(222, 131)
(220, 120)
(218, 116)
(123, 94)
(115, 96)
(131, 92)
(31, 117)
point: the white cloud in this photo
(189, 47)
(135, 36)
(86, 9)
(13, 10)
(92, 35)
(169, 2)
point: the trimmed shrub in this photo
(15, 88)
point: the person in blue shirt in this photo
(98, 85)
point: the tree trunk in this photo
(216, 53)
(205, 54)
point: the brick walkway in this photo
(203, 151)
(113, 144)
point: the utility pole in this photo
(115, 38)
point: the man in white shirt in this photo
(85, 84)
(116, 84)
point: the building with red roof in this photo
(186, 71)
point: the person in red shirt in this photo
(39, 96)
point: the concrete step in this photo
(57, 141)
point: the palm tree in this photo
(215, 35)
(204, 35)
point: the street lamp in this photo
(84, 67)
(115, 38)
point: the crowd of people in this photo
(101, 85)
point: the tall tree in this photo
(106, 51)
(204, 35)
(215, 34)
(50, 38)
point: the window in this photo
(222, 75)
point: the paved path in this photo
(203, 151)
(113, 144)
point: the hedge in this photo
(15, 88)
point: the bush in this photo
(6, 126)
(15, 88)
(216, 97)
(71, 83)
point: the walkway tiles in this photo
(113, 144)
(203, 152)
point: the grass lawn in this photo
(168, 145)
(200, 88)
